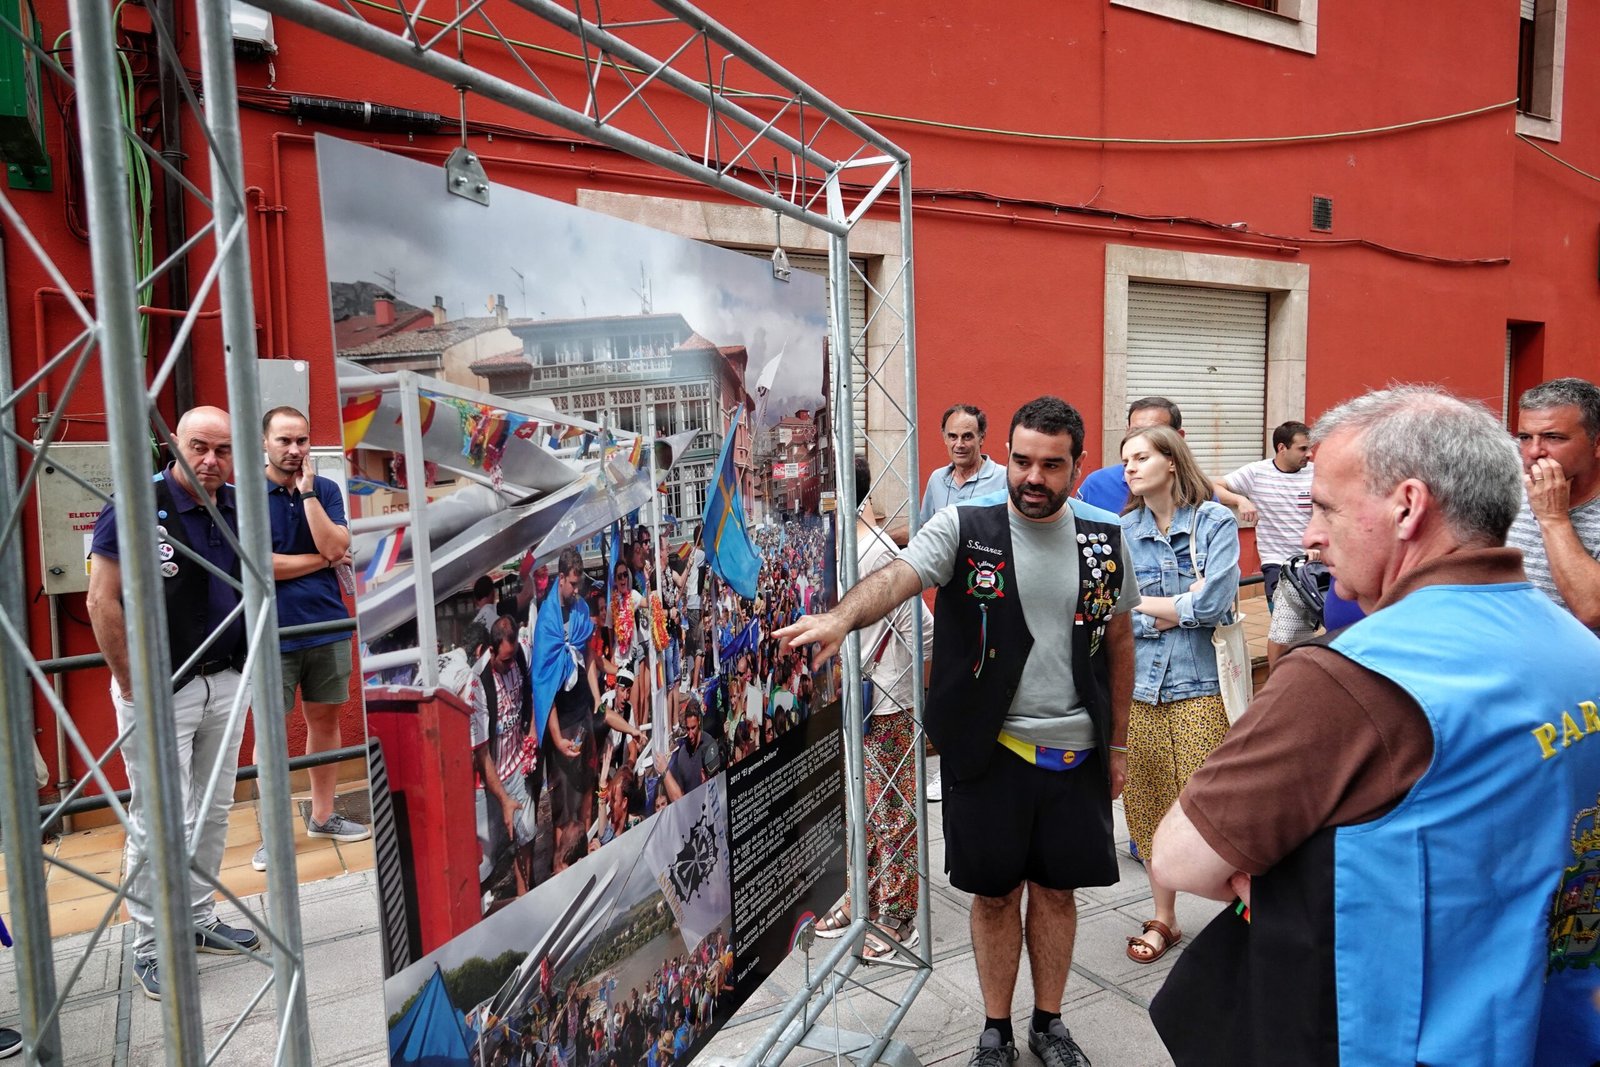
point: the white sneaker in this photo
(935, 789)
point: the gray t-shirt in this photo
(1525, 535)
(1047, 709)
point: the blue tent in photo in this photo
(727, 546)
(431, 1034)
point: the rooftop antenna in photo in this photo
(643, 292)
(391, 281)
(522, 287)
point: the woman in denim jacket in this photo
(1177, 716)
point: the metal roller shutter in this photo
(1205, 350)
(1505, 385)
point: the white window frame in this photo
(1287, 286)
(1294, 26)
(1549, 16)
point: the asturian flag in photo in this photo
(729, 553)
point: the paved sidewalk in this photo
(1107, 996)
(108, 1019)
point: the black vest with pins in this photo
(187, 592)
(981, 640)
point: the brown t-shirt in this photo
(1325, 742)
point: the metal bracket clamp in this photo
(780, 258)
(464, 176)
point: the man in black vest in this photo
(198, 603)
(1031, 680)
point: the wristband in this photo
(1119, 748)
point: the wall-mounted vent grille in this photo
(1322, 213)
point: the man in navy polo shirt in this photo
(203, 695)
(310, 538)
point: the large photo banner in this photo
(612, 801)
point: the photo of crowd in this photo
(597, 1024)
(621, 492)
(726, 689)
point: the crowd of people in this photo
(1417, 768)
(593, 1024)
(1446, 722)
(758, 691)
(562, 675)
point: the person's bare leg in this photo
(997, 948)
(1052, 930)
(1274, 650)
(563, 849)
(1166, 902)
(322, 734)
(522, 865)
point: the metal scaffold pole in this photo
(783, 150)
(161, 816)
(19, 812)
(230, 225)
(908, 326)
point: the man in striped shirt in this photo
(1277, 494)
(1558, 528)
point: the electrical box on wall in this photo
(67, 512)
(252, 31)
(21, 122)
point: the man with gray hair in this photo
(1558, 528)
(1396, 816)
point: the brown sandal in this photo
(1168, 939)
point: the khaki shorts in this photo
(321, 673)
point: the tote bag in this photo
(1228, 643)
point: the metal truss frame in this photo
(681, 113)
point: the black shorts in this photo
(571, 778)
(1017, 823)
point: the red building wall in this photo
(1442, 234)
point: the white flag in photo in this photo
(689, 851)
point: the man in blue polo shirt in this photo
(1107, 488)
(970, 473)
(310, 538)
(197, 603)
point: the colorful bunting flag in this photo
(384, 558)
(357, 414)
